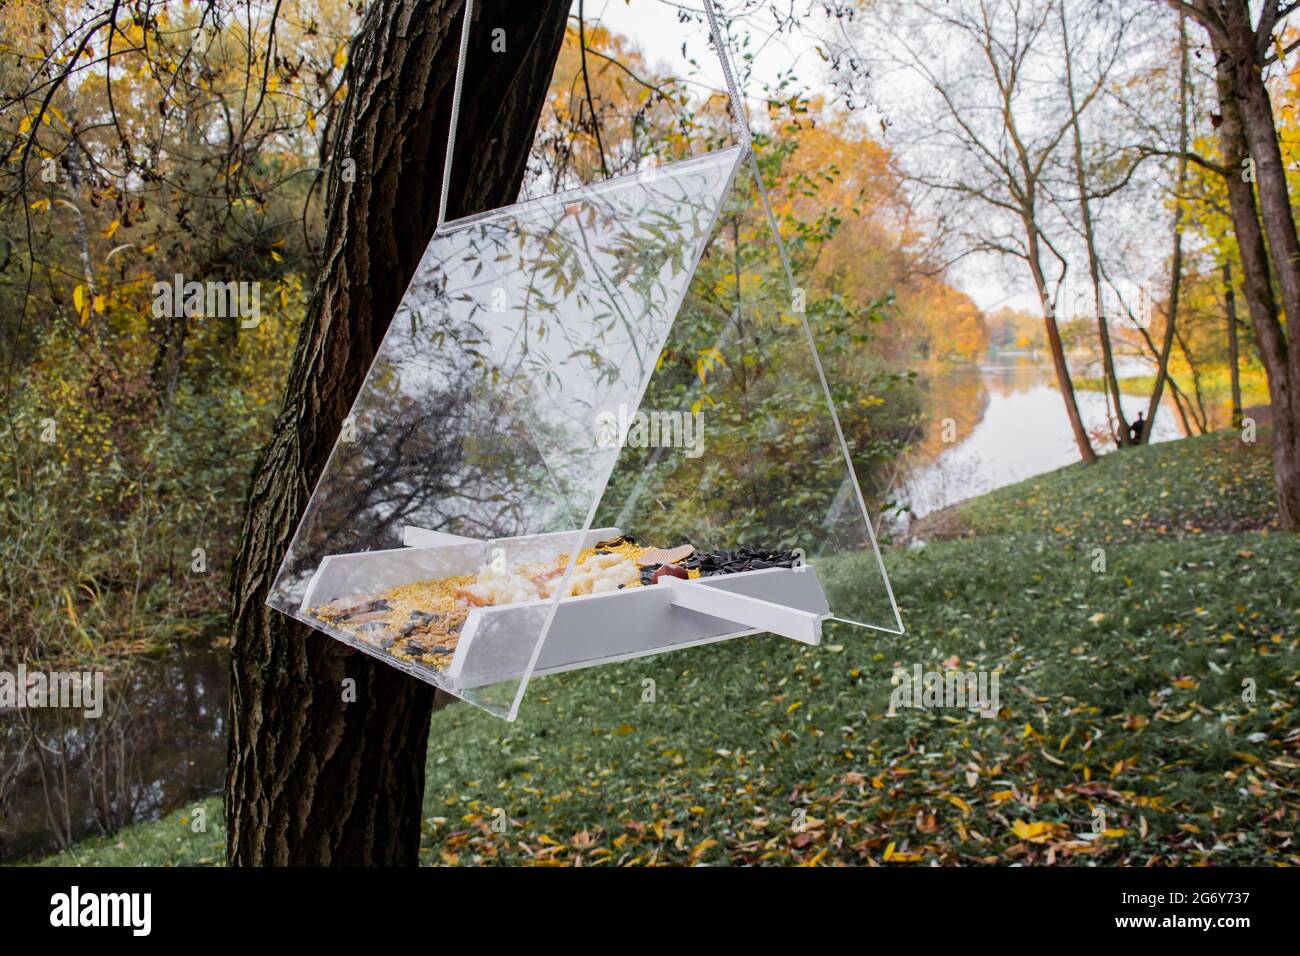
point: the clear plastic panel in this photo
(762, 470)
(457, 504)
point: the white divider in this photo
(637, 622)
(759, 614)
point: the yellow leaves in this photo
(133, 34)
(706, 361)
(893, 856)
(1186, 683)
(701, 848)
(1002, 796)
(311, 122)
(700, 402)
(1037, 832)
(81, 302)
(959, 803)
(111, 229)
(793, 707)
(40, 205)
(340, 57)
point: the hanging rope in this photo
(737, 106)
(455, 111)
(733, 93)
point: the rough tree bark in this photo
(311, 780)
(1234, 356)
(1248, 138)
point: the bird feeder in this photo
(596, 429)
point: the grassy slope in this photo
(1120, 691)
(170, 841)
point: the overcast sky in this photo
(655, 26)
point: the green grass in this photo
(1121, 693)
(1179, 489)
(171, 841)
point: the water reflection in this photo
(160, 743)
(1005, 422)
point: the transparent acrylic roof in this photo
(501, 434)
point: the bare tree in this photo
(1087, 224)
(1175, 260)
(998, 139)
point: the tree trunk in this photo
(311, 780)
(1054, 344)
(1176, 263)
(1057, 349)
(1236, 67)
(1234, 353)
(1110, 378)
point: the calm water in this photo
(160, 743)
(1009, 423)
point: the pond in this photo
(1000, 422)
(160, 742)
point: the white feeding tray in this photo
(497, 643)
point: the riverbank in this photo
(1123, 732)
(1215, 388)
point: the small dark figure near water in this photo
(1135, 430)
